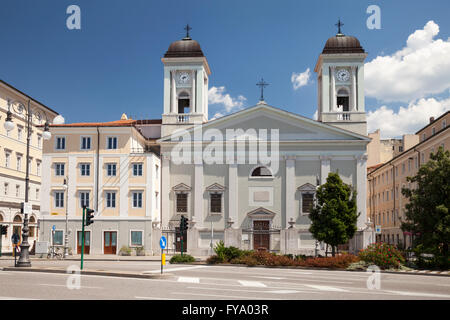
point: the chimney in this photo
(431, 119)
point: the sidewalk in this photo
(106, 257)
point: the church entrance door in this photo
(261, 235)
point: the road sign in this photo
(163, 259)
(26, 207)
(163, 242)
(54, 228)
(377, 229)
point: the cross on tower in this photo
(187, 28)
(339, 25)
(262, 84)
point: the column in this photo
(325, 167)
(290, 189)
(354, 102)
(197, 215)
(173, 107)
(361, 171)
(165, 190)
(233, 194)
(194, 88)
(333, 89)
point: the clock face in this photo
(343, 75)
(183, 77)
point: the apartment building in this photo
(385, 202)
(13, 153)
(109, 167)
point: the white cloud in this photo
(408, 119)
(416, 71)
(300, 79)
(216, 95)
(315, 115)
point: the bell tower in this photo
(340, 78)
(186, 73)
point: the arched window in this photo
(184, 102)
(1, 217)
(343, 100)
(32, 219)
(261, 172)
(17, 218)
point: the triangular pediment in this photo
(261, 213)
(215, 187)
(307, 187)
(290, 126)
(181, 187)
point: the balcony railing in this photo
(182, 118)
(343, 116)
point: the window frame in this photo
(83, 201)
(61, 165)
(58, 200)
(141, 170)
(56, 143)
(87, 169)
(82, 140)
(141, 200)
(111, 201)
(112, 164)
(131, 238)
(116, 142)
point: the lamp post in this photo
(66, 236)
(24, 260)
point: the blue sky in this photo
(113, 64)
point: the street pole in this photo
(82, 240)
(66, 237)
(24, 260)
(1, 237)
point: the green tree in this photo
(334, 216)
(427, 214)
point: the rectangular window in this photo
(110, 199)
(137, 169)
(19, 133)
(137, 199)
(400, 148)
(57, 237)
(59, 169)
(403, 168)
(60, 143)
(59, 199)
(409, 165)
(111, 169)
(181, 202)
(19, 163)
(112, 143)
(39, 141)
(85, 143)
(84, 199)
(85, 169)
(156, 172)
(7, 159)
(37, 194)
(38, 168)
(136, 238)
(216, 202)
(433, 131)
(156, 200)
(444, 124)
(307, 202)
(17, 190)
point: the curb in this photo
(93, 273)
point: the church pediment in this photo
(261, 213)
(215, 187)
(307, 187)
(181, 187)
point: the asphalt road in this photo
(216, 283)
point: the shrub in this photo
(125, 251)
(185, 258)
(219, 249)
(140, 251)
(214, 259)
(232, 253)
(383, 255)
(336, 262)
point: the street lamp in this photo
(24, 259)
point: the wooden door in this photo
(87, 242)
(261, 235)
(178, 240)
(110, 242)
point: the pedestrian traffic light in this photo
(4, 229)
(185, 223)
(89, 216)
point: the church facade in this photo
(249, 178)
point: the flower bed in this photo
(383, 255)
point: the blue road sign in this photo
(54, 228)
(163, 242)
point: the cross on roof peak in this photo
(339, 24)
(262, 84)
(187, 28)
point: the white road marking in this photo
(274, 278)
(155, 298)
(221, 296)
(63, 285)
(325, 288)
(420, 294)
(188, 279)
(252, 284)
(285, 291)
(15, 298)
(174, 269)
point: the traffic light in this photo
(4, 230)
(89, 216)
(183, 223)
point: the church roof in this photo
(184, 48)
(341, 43)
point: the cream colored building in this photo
(13, 154)
(385, 202)
(109, 167)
